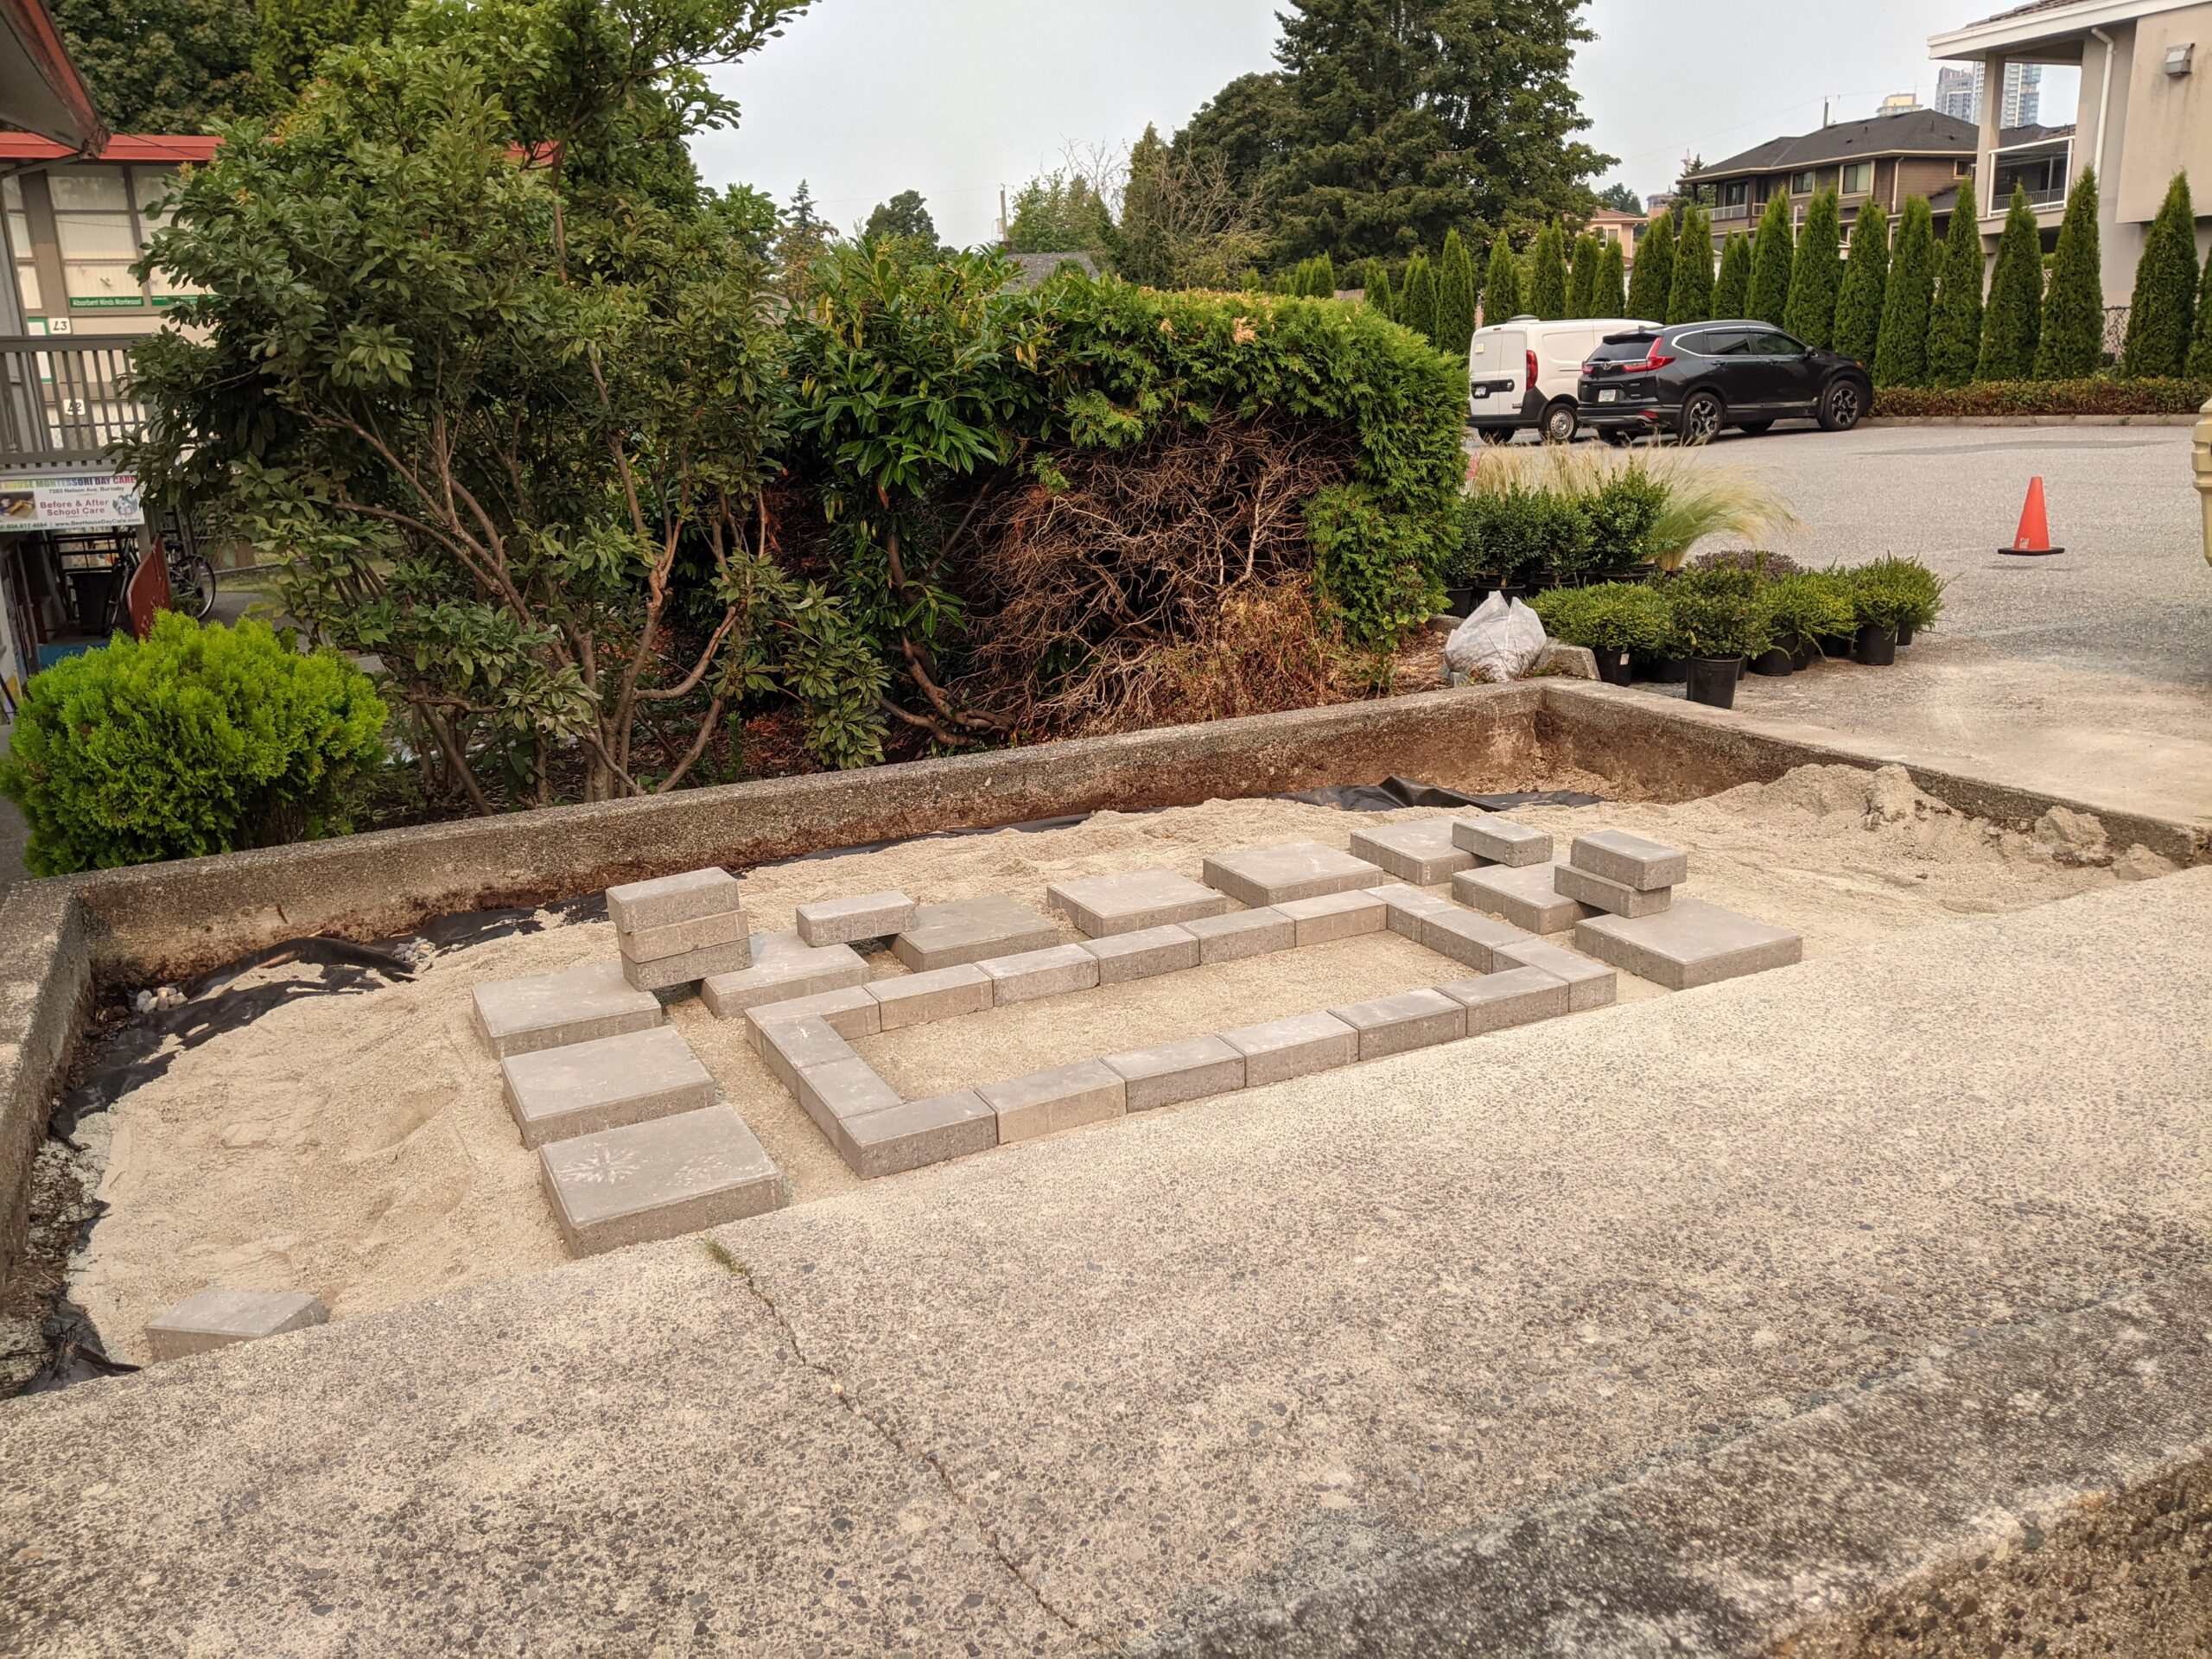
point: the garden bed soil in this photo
(358, 1146)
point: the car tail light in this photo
(1653, 360)
(1531, 380)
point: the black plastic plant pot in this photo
(1876, 647)
(1837, 645)
(1613, 667)
(1460, 600)
(1774, 662)
(1712, 680)
(1666, 670)
(1906, 633)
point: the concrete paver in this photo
(1063, 1098)
(657, 1180)
(518, 1016)
(1281, 1049)
(1616, 898)
(784, 968)
(556, 1094)
(635, 906)
(838, 1091)
(1527, 896)
(1501, 841)
(938, 993)
(788, 1047)
(219, 1316)
(967, 930)
(709, 962)
(1691, 943)
(675, 938)
(1408, 907)
(1054, 971)
(1173, 1073)
(1260, 876)
(1421, 852)
(1589, 984)
(1125, 957)
(1467, 937)
(842, 921)
(917, 1133)
(1392, 1025)
(1336, 916)
(1133, 900)
(1241, 933)
(850, 1013)
(1632, 860)
(1518, 996)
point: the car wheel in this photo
(1755, 429)
(1561, 423)
(1495, 434)
(1842, 406)
(1701, 419)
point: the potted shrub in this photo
(1802, 611)
(1843, 585)
(1615, 619)
(1718, 618)
(1912, 593)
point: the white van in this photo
(1522, 375)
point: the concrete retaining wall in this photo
(45, 988)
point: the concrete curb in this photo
(45, 988)
(2030, 420)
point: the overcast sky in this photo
(955, 99)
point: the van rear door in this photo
(1498, 364)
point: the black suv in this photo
(1693, 378)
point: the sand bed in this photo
(357, 1146)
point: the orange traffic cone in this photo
(2034, 539)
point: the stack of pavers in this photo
(1645, 928)
(633, 1141)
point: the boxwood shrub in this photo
(2097, 395)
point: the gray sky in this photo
(956, 97)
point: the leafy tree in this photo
(1690, 300)
(1866, 285)
(1621, 199)
(162, 65)
(1732, 289)
(1816, 275)
(1185, 220)
(1609, 295)
(905, 217)
(1653, 279)
(292, 35)
(1378, 288)
(1417, 303)
(1901, 346)
(2014, 315)
(2073, 343)
(1058, 212)
(1582, 286)
(1771, 258)
(1455, 296)
(1954, 334)
(1548, 273)
(1502, 286)
(804, 239)
(2200, 345)
(2160, 321)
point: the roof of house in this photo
(1039, 268)
(40, 87)
(1912, 132)
(121, 147)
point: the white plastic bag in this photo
(1501, 641)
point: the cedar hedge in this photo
(2097, 395)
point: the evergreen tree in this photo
(291, 36)
(1455, 296)
(1653, 276)
(1609, 294)
(1144, 254)
(1732, 290)
(2160, 322)
(2013, 316)
(1378, 288)
(2073, 343)
(1502, 286)
(1324, 277)
(2200, 345)
(1955, 337)
(1547, 276)
(1816, 275)
(162, 65)
(1771, 256)
(1901, 346)
(1865, 285)
(1417, 305)
(1690, 300)
(1582, 287)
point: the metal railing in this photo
(2043, 165)
(62, 398)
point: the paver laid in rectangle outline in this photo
(1124, 956)
(783, 969)
(520, 1016)
(967, 930)
(219, 1316)
(1104, 906)
(556, 1094)
(1052, 972)
(1690, 944)
(1589, 984)
(1518, 996)
(635, 905)
(1065, 1097)
(1303, 1044)
(1522, 894)
(672, 1176)
(1616, 898)
(1501, 841)
(940, 993)
(1420, 852)
(1259, 876)
(867, 916)
(1240, 933)
(843, 1089)
(652, 944)
(916, 1133)
(1336, 916)
(1466, 938)
(788, 1047)
(850, 1013)
(1392, 1025)
(1405, 907)
(690, 968)
(1172, 1072)
(1630, 860)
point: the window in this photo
(1801, 184)
(1736, 193)
(1769, 342)
(1714, 343)
(97, 234)
(150, 188)
(19, 245)
(1858, 178)
(1963, 168)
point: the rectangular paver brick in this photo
(1692, 943)
(1617, 897)
(941, 994)
(1033, 974)
(1501, 841)
(652, 944)
(1066, 1097)
(689, 968)
(1242, 933)
(841, 921)
(841, 1089)
(968, 930)
(520, 1016)
(1336, 916)
(789, 1047)
(1519, 996)
(1523, 895)
(1282, 1049)
(636, 906)
(784, 968)
(1421, 852)
(1104, 906)
(850, 1013)
(1392, 1025)
(1124, 956)
(916, 1133)
(556, 1094)
(646, 1181)
(1589, 984)
(1630, 860)
(1177, 1071)
(1260, 876)
(1467, 937)
(218, 1317)
(1405, 907)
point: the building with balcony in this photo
(1884, 158)
(2144, 114)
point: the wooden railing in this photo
(62, 401)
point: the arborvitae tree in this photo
(1865, 284)
(1417, 305)
(1502, 286)
(1733, 289)
(1653, 276)
(1324, 277)
(2013, 317)
(1547, 276)
(2073, 343)
(1378, 288)
(1690, 299)
(1816, 275)
(1582, 286)
(1901, 351)
(1609, 294)
(1955, 338)
(2160, 321)
(1769, 299)
(1455, 296)
(2200, 345)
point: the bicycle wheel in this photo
(192, 586)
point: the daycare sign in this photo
(70, 501)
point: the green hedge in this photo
(2098, 395)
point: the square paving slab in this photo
(1421, 852)
(841, 921)
(1178, 1071)
(1617, 897)
(1523, 895)
(1630, 860)
(784, 968)
(1066, 1097)
(1125, 957)
(1301, 869)
(1501, 841)
(968, 930)
(557, 1094)
(520, 1016)
(1104, 906)
(1689, 944)
(915, 1132)
(661, 1180)
(217, 1318)
(1282, 1049)
(636, 906)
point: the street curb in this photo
(2030, 420)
